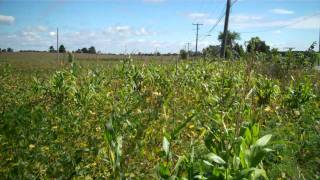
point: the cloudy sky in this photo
(148, 25)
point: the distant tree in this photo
(0, 50)
(238, 49)
(257, 45)
(84, 50)
(211, 51)
(312, 46)
(51, 49)
(4, 50)
(62, 49)
(183, 54)
(92, 50)
(9, 49)
(232, 37)
(78, 51)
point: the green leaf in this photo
(164, 171)
(207, 163)
(166, 145)
(264, 140)
(257, 173)
(183, 125)
(215, 158)
(200, 177)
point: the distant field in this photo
(36, 60)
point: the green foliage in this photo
(265, 90)
(191, 120)
(70, 57)
(92, 50)
(211, 51)
(257, 45)
(183, 54)
(231, 38)
(62, 49)
(298, 94)
(51, 49)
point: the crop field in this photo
(140, 119)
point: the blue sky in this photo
(119, 26)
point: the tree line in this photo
(62, 49)
(235, 51)
(6, 50)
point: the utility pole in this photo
(197, 36)
(319, 47)
(188, 45)
(225, 31)
(58, 45)
(188, 49)
(319, 40)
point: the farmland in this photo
(158, 119)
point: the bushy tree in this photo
(238, 49)
(84, 50)
(51, 49)
(92, 50)
(211, 51)
(312, 46)
(62, 49)
(183, 54)
(257, 45)
(232, 37)
(9, 49)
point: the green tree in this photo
(183, 54)
(51, 49)
(238, 49)
(62, 49)
(257, 45)
(84, 50)
(92, 50)
(9, 49)
(232, 37)
(211, 51)
(312, 46)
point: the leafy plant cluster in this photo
(191, 120)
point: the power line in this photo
(222, 15)
(282, 27)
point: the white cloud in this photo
(303, 22)
(41, 28)
(201, 18)
(197, 15)
(245, 18)
(127, 31)
(7, 20)
(52, 33)
(281, 11)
